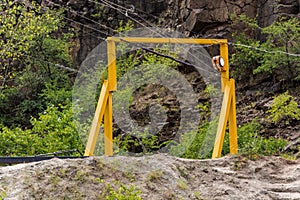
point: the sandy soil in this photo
(157, 177)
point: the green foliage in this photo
(55, 94)
(193, 144)
(197, 195)
(127, 62)
(33, 40)
(266, 55)
(20, 25)
(128, 26)
(139, 142)
(154, 175)
(249, 142)
(181, 184)
(2, 194)
(54, 130)
(244, 59)
(122, 193)
(23, 28)
(284, 107)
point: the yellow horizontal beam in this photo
(167, 40)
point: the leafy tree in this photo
(275, 53)
(23, 27)
(34, 41)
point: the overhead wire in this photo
(49, 62)
(230, 43)
(111, 5)
(140, 46)
(11, 47)
(264, 50)
(146, 49)
(89, 27)
(166, 56)
(81, 15)
(81, 24)
(156, 32)
(130, 10)
(105, 3)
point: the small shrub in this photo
(196, 144)
(137, 142)
(181, 184)
(284, 107)
(154, 175)
(199, 145)
(250, 142)
(2, 194)
(197, 195)
(122, 193)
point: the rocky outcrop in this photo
(212, 18)
(93, 21)
(269, 10)
(206, 18)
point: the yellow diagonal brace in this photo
(232, 121)
(102, 102)
(222, 121)
(108, 124)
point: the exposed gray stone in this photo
(200, 18)
(290, 9)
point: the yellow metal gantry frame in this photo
(104, 106)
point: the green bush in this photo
(54, 130)
(138, 142)
(123, 193)
(196, 144)
(249, 142)
(284, 107)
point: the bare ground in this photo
(157, 177)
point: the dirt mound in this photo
(156, 177)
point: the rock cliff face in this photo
(211, 18)
(205, 18)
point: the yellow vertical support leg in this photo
(225, 70)
(232, 121)
(94, 132)
(112, 69)
(108, 123)
(222, 121)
